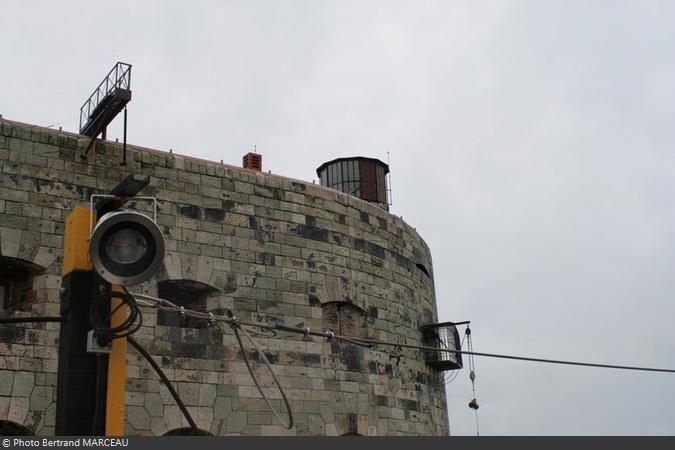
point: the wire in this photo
(236, 325)
(154, 302)
(166, 381)
(129, 326)
(134, 344)
(30, 319)
(519, 358)
(472, 376)
(236, 328)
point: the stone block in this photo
(51, 240)
(189, 393)
(158, 425)
(154, 404)
(10, 239)
(222, 407)
(207, 395)
(36, 160)
(6, 382)
(18, 409)
(4, 406)
(41, 397)
(276, 430)
(316, 425)
(236, 422)
(259, 418)
(172, 265)
(172, 417)
(138, 417)
(50, 415)
(202, 416)
(23, 384)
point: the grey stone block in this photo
(138, 417)
(23, 384)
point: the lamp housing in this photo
(126, 247)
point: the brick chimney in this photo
(253, 161)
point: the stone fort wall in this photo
(270, 248)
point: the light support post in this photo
(124, 248)
(117, 367)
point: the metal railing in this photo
(118, 77)
(443, 336)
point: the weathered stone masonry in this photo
(269, 248)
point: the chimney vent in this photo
(253, 161)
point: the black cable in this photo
(131, 341)
(31, 319)
(166, 381)
(502, 356)
(328, 335)
(129, 326)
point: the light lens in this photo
(126, 246)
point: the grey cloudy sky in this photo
(531, 145)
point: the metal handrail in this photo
(118, 77)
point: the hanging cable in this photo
(237, 328)
(504, 356)
(100, 324)
(473, 404)
(237, 325)
(155, 302)
(166, 381)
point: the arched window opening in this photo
(187, 293)
(16, 283)
(187, 431)
(9, 428)
(344, 318)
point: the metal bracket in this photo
(94, 347)
(123, 198)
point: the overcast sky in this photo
(531, 146)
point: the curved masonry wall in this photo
(276, 249)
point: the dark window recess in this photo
(4, 294)
(344, 318)
(16, 283)
(9, 428)
(188, 294)
(423, 269)
(187, 431)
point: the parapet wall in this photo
(269, 248)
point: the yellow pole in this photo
(117, 368)
(75, 245)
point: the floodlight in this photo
(126, 247)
